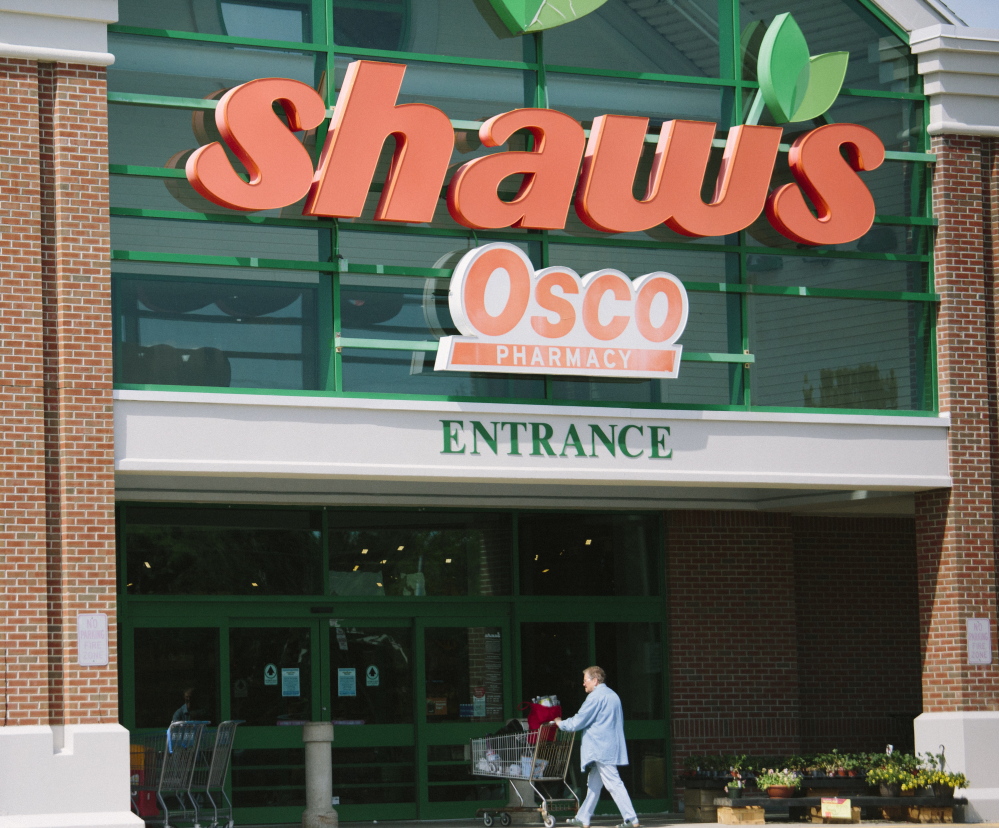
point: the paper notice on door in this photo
(346, 681)
(479, 701)
(291, 681)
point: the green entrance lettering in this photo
(506, 437)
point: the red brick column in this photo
(955, 528)
(57, 445)
(733, 654)
(22, 438)
(78, 381)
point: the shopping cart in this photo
(536, 756)
(207, 790)
(162, 769)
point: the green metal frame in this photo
(314, 611)
(734, 87)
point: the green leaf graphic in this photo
(522, 16)
(795, 86)
(826, 79)
(783, 67)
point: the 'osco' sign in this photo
(515, 319)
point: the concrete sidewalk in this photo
(648, 821)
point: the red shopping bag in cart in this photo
(539, 714)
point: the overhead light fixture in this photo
(543, 571)
(384, 562)
(400, 549)
(588, 541)
(356, 568)
(253, 583)
(535, 557)
(447, 560)
(364, 551)
(146, 564)
(378, 583)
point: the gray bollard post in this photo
(319, 812)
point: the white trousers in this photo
(605, 776)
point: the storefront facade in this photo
(235, 434)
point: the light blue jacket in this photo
(602, 723)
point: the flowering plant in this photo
(736, 782)
(777, 778)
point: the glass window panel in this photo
(431, 27)
(395, 307)
(838, 353)
(698, 383)
(374, 775)
(412, 372)
(898, 189)
(264, 19)
(632, 655)
(148, 136)
(878, 60)
(187, 69)
(899, 124)
(471, 93)
(589, 554)
(379, 554)
(686, 265)
(646, 773)
(227, 334)
(462, 664)
(553, 656)
(268, 777)
(676, 38)
(413, 250)
(176, 666)
(209, 239)
(390, 651)
(451, 782)
(184, 551)
(841, 274)
(260, 695)
(584, 97)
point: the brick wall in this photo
(733, 660)
(857, 618)
(955, 528)
(840, 593)
(57, 444)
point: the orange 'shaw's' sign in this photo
(516, 320)
(827, 203)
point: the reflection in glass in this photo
(227, 334)
(262, 777)
(464, 674)
(449, 780)
(646, 773)
(676, 38)
(588, 554)
(878, 59)
(187, 69)
(184, 551)
(371, 674)
(374, 775)
(270, 675)
(632, 655)
(838, 353)
(584, 97)
(419, 553)
(174, 666)
(553, 656)
(261, 19)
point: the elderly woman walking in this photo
(602, 724)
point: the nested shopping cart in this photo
(178, 775)
(538, 756)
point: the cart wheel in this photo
(505, 819)
(549, 821)
(487, 820)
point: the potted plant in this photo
(779, 784)
(735, 785)
(940, 782)
(891, 779)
